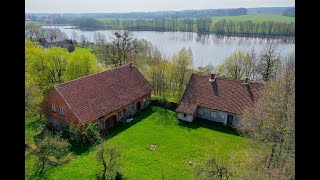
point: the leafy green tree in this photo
(182, 62)
(51, 150)
(45, 67)
(82, 135)
(81, 63)
(236, 65)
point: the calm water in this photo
(208, 49)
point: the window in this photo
(184, 115)
(213, 114)
(62, 111)
(200, 112)
(53, 107)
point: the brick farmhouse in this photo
(108, 98)
(217, 99)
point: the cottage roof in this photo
(223, 94)
(54, 39)
(93, 96)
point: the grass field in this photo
(178, 143)
(256, 18)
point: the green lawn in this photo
(178, 143)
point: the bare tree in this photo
(74, 36)
(269, 62)
(108, 156)
(272, 120)
(214, 168)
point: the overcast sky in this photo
(83, 6)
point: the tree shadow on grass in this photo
(123, 126)
(209, 125)
(81, 148)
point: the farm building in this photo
(108, 97)
(217, 99)
(57, 41)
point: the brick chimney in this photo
(246, 81)
(212, 77)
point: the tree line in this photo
(203, 25)
(199, 25)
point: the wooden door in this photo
(230, 119)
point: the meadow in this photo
(177, 142)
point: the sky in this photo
(111, 6)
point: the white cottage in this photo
(217, 99)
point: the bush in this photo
(50, 150)
(89, 134)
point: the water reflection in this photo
(206, 48)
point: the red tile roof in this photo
(93, 96)
(223, 94)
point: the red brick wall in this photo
(54, 97)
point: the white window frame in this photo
(53, 107)
(213, 114)
(62, 111)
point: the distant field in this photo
(256, 18)
(252, 17)
(178, 143)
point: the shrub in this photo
(51, 150)
(89, 134)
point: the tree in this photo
(214, 169)
(51, 150)
(123, 47)
(272, 120)
(83, 40)
(32, 30)
(182, 62)
(81, 63)
(46, 67)
(87, 134)
(237, 65)
(108, 156)
(269, 62)
(74, 36)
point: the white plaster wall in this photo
(188, 118)
(221, 116)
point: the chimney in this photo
(212, 77)
(246, 81)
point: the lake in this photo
(206, 49)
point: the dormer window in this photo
(53, 107)
(62, 111)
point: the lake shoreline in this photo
(200, 34)
(206, 49)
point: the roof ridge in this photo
(219, 77)
(93, 74)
